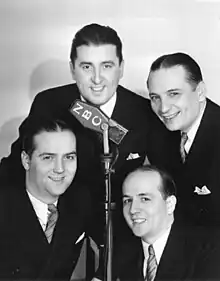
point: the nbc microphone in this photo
(93, 118)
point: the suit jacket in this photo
(201, 169)
(25, 253)
(179, 261)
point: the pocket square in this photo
(80, 238)
(202, 191)
(133, 156)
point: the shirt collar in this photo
(40, 208)
(158, 245)
(108, 107)
(194, 128)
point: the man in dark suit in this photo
(42, 224)
(160, 248)
(178, 96)
(97, 67)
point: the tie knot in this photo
(184, 138)
(52, 208)
(151, 250)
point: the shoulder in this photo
(134, 104)
(130, 96)
(212, 109)
(210, 119)
(11, 200)
(60, 92)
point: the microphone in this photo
(93, 118)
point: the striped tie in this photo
(183, 141)
(51, 222)
(151, 264)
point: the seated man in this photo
(161, 249)
(42, 224)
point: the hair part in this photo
(95, 34)
(191, 67)
(35, 127)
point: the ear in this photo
(201, 91)
(72, 70)
(121, 69)
(171, 204)
(25, 159)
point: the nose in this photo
(58, 166)
(164, 106)
(97, 76)
(134, 207)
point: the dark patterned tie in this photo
(51, 222)
(151, 265)
(183, 141)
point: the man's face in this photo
(173, 99)
(52, 166)
(97, 72)
(145, 211)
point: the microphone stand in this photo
(108, 247)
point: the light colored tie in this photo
(51, 222)
(151, 264)
(183, 141)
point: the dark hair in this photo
(193, 71)
(34, 126)
(167, 186)
(97, 35)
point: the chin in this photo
(172, 127)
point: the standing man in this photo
(42, 224)
(160, 248)
(178, 97)
(97, 66)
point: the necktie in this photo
(183, 141)
(151, 265)
(51, 222)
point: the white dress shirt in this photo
(193, 130)
(158, 246)
(41, 210)
(108, 107)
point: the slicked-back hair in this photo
(167, 185)
(192, 69)
(95, 34)
(35, 126)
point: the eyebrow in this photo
(172, 90)
(103, 62)
(52, 154)
(139, 194)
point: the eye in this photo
(154, 98)
(145, 199)
(173, 94)
(46, 157)
(107, 65)
(70, 157)
(86, 67)
(126, 201)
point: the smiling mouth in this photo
(169, 117)
(98, 89)
(57, 179)
(138, 221)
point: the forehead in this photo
(142, 182)
(165, 79)
(93, 53)
(55, 142)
